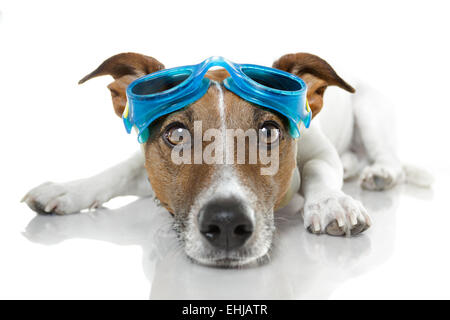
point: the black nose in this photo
(225, 224)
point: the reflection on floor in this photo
(302, 265)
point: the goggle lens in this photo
(160, 84)
(272, 80)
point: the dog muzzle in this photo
(169, 90)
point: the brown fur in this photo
(124, 68)
(317, 74)
(176, 186)
(217, 75)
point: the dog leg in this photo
(126, 178)
(374, 120)
(327, 208)
(351, 164)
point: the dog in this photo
(224, 214)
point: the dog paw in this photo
(60, 198)
(379, 177)
(336, 214)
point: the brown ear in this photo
(317, 74)
(124, 68)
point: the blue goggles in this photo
(170, 90)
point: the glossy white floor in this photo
(131, 252)
(54, 130)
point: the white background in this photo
(53, 129)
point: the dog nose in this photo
(225, 224)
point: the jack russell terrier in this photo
(224, 212)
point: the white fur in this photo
(221, 107)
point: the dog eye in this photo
(269, 133)
(176, 133)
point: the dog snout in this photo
(225, 224)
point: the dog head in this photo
(223, 211)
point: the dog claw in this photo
(24, 198)
(94, 205)
(353, 219)
(340, 220)
(316, 227)
(50, 207)
(368, 221)
(315, 224)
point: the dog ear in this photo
(124, 68)
(316, 73)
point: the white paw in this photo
(60, 198)
(335, 213)
(379, 177)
